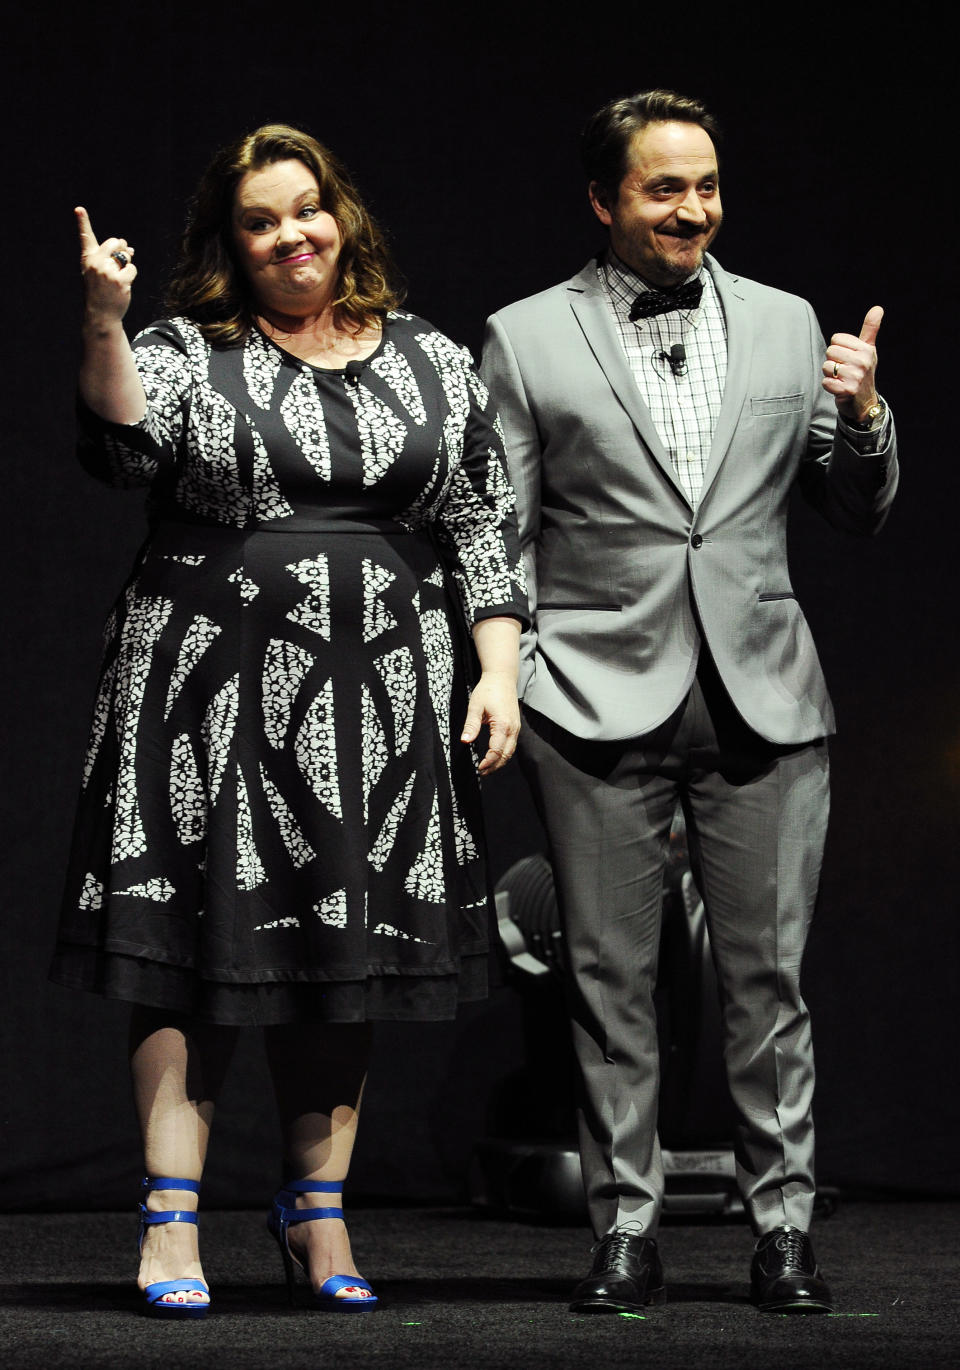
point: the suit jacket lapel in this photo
(739, 350)
(589, 304)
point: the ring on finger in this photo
(836, 370)
(120, 258)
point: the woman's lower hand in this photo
(493, 702)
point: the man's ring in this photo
(122, 259)
(836, 367)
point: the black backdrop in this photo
(460, 125)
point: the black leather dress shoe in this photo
(626, 1276)
(784, 1277)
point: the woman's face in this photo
(287, 245)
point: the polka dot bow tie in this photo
(650, 302)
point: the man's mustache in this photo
(685, 232)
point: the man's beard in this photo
(675, 272)
(678, 272)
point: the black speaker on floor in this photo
(528, 1163)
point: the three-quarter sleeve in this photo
(476, 518)
(135, 454)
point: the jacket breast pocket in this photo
(762, 407)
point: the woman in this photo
(277, 827)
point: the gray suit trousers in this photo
(756, 819)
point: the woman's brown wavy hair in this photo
(207, 283)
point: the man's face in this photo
(667, 211)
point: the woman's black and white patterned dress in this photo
(278, 819)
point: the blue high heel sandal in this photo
(154, 1293)
(285, 1215)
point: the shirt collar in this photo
(624, 281)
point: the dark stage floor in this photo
(460, 1290)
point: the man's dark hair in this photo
(605, 144)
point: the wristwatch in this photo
(874, 418)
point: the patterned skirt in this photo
(278, 820)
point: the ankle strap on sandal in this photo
(168, 1215)
(149, 1183)
(312, 1186)
(284, 1203)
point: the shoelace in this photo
(793, 1244)
(612, 1251)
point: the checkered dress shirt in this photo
(684, 408)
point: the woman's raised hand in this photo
(108, 272)
(109, 381)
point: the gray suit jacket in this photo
(616, 558)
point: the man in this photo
(658, 412)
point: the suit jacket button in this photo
(696, 540)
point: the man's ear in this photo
(600, 202)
